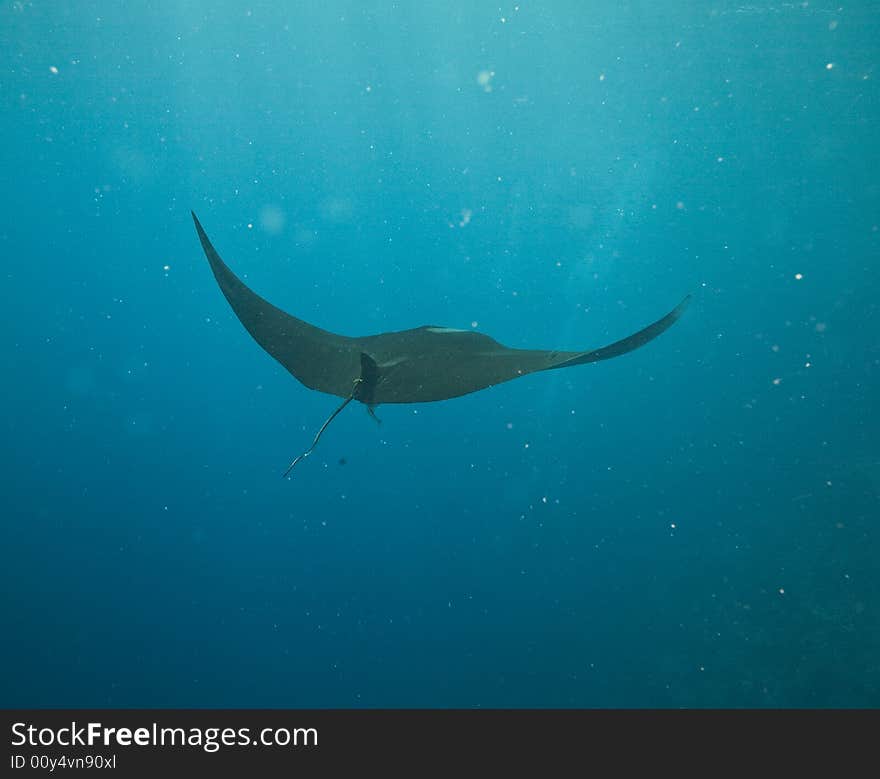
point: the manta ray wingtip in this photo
(679, 309)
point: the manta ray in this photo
(420, 365)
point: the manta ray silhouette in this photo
(424, 364)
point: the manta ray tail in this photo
(362, 390)
(326, 424)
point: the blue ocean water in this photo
(691, 524)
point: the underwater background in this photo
(691, 524)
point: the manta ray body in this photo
(420, 365)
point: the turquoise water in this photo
(691, 524)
